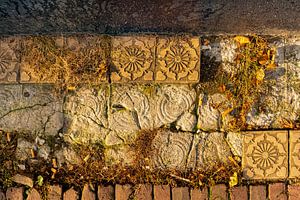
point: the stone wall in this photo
(59, 92)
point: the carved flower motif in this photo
(134, 59)
(265, 155)
(5, 60)
(177, 59)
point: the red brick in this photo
(54, 192)
(106, 192)
(87, 193)
(33, 195)
(144, 192)
(180, 193)
(239, 193)
(2, 195)
(162, 192)
(219, 192)
(294, 192)
(197, 194)
(277, 191)
(71, 194)
(15, 193)
(258, 192)
(122, 192)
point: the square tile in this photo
(133, 59)
(265, 155)
(9, 59)
(294, 154)
(178, 59)
(71, 59)
(39, 61)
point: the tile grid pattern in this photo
(133, 59)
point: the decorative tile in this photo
(294, 154)
(69, 59)
(87, 58)
(39, 52)
(133, 59)
(265, 155)
(178, 59)
(9, 59)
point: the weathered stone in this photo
(15, 193)
(272, 109)
(178, 59)
(30, 109)
(123, 155)
(24, 180)
(71, 194)
(86, 115)
(33, 195)
(211, 148)
(9, 59)
(24, 149)
(265, 155)
(210, 110)
(43, 152)
(135, 108)
(133, 58)
(173, 150)
(235, 140)
(67, 155)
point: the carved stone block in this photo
(30, 109)
(265, 155)
(178, 59)
(134, 108)
(294, 154)
(86, 115)
(9, 59)
(172, 150)
(133, 59)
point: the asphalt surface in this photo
(150, 16)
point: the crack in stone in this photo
(24, 108)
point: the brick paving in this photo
(272, 191)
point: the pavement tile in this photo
(178, 59)
(265, 155)
(9, 59)
(133, 58)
